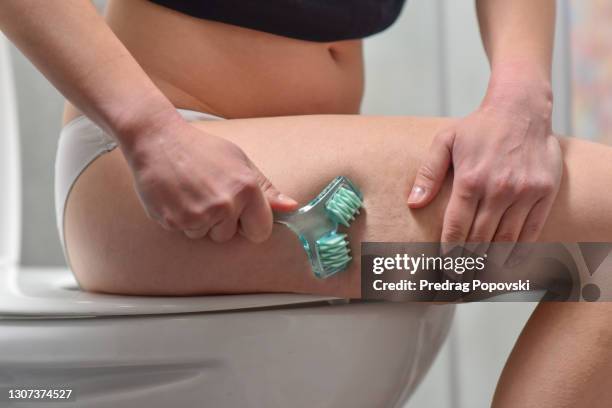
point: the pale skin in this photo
(136, 204)
(301, 155)
(507, 164)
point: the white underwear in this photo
(81, 141)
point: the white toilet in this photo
(216, 351)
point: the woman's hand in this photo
(507, 170)
(201, 184)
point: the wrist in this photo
(139, 128)
(522, 88)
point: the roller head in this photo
(333, 250)
(343, 206)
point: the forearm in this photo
(518, 31)
(518, 37)
(71, 45)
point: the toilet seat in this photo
(53, 293)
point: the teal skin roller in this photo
(316, 225)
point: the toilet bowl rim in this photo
(34, 292)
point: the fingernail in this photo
(416, 194)
(287, 200)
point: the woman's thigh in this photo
(114, 247)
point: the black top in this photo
(311, 20)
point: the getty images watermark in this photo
(486, 272)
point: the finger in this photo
(431, 174)
(512, 222)
(458, 217)
(535, 220)
(530, 231)
(167, 223)
(197, 233)
(256, 218)
(198, 226)
(509, 229)
(224, 230)
(277, 200)
(163, 222)
(280, 202)
(227, 227)
(488, 216)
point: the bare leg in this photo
(115, 248)
(562, 359)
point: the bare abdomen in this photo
(236, 72)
